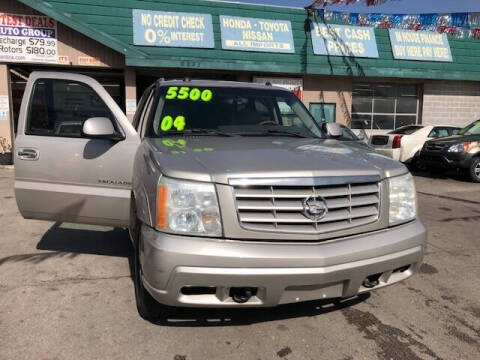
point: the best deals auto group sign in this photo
(28, 38)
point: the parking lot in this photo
(66, 293)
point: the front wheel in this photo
(147, 306)
(474, 169)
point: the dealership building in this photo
(374, 79)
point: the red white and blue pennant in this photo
(459, 25)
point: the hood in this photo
(218, 159)
(455, 139)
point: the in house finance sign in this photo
(420, 45)
(172, 29)
(28, 38)
(248, 34)
(344, 40)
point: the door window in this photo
(323, 112)
(60, 107)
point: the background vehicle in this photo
(232, 193)
(404, 144)
(461, 152)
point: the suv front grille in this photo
(434, 146)
(281, 208)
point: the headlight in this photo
(403, 199)
(188, 207)
(458, 148)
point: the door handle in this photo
(28, 154)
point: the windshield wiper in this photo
(269, 132)
(198, 131)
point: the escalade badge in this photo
(315, 208)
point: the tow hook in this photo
(371, 281)
(242, 294)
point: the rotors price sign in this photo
(28, 38)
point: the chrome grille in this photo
(281, 208)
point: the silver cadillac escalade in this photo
(233, 195)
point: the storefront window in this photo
(323, 112)
(384, 106)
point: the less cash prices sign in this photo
(28, 38)
(344, 40)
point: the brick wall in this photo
(451, 102)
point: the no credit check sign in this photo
(248, 34)
(344, 40)
(172, 29)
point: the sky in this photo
(390, 7)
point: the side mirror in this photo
(100, 127)
(333, 130)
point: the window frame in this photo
(395, 112)
(27, 128)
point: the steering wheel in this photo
(266, 122)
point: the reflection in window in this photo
(60, 107)
(384, 106)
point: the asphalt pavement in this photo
(66, 293)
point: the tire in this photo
(474, 170)
(417, 164)
(147, 306)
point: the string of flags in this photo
(324, 3)
(459, 25)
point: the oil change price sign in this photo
(28, 38)
(247, 34)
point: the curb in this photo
(7, 167)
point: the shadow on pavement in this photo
(64, 240)
(204, 317)
(83, 239)
(444, 174)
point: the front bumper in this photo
(282, 273)
(445, 159)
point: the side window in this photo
(142, 104)
(145, 113)
(455, 131)
(60, 107)
(438, 133)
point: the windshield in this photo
(226, 110)
(472, 129)
(406, 130)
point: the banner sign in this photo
(344, 40)
(172, 29)
(420, 45)
(247, 34)
(28, 38)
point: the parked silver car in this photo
(230, 199)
